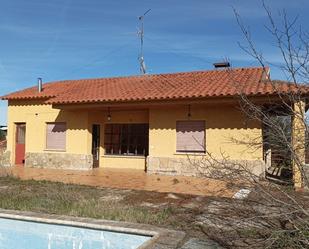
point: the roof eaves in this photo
(9, 97)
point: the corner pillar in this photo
(298, 143)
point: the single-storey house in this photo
(147, 122)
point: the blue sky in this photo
(71, 39)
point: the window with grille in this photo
(126, 139)
(56, 136)
(190, 136)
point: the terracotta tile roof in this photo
(198, 84)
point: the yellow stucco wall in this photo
(224, 124)
(36, 115)
(123, 162)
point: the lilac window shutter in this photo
(190, 136)
(56, 136)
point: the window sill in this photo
(54, 150)
(190, 154)
(124, 156)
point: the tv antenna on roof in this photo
(141, 36)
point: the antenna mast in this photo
(141, 36)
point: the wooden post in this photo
(298, 143)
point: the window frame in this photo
(65, 138)
(195, 152)
(125, 133)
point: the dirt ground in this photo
(174, 211)
(233, 223)
(130, 179)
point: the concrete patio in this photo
(128, 179)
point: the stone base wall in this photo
(59, 161)
(5, 158)
(197, 166)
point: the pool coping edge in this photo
(161, 238)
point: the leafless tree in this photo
(273, 215)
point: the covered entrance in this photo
(284, 143)
(277, 137)
(121, 141)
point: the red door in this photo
(20, 144)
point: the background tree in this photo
(2, 135)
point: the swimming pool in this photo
(22, 234)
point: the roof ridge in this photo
(68, 81)
(151, 75)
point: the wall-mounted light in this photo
(109, 116)
(189, 111)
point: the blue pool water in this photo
(17, 234)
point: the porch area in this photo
(129, 179)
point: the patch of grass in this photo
(99, 203)
(74, 200)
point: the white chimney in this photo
(40, 85)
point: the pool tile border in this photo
(161, 238)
